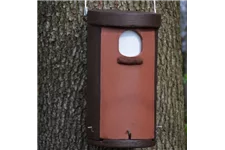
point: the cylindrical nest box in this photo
(122, 54)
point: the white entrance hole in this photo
(129, 44)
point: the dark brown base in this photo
(123, 143)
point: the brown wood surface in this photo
(127, 92)
(129, 60)
(118, 18)
(93, 89)
(124, 143)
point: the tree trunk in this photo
(62, 74)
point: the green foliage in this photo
(185, 78)
(186, 128)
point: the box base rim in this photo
(140, 143)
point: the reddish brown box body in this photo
(121, 98)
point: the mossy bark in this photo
(62, 74)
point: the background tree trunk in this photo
(62, 74)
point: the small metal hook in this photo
(90, 127)
(129, 134)
(158, 128)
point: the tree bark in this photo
(62, 74)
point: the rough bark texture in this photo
(62, 74)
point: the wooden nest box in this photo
(121, 100)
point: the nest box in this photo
(121, 101)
